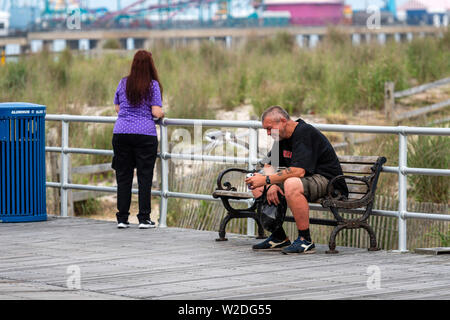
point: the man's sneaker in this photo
(300, 246)
(123, 225)
(148, 224)
(271, 244)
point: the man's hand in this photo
(272, 195)
(258, 180)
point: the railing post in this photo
(64, 167)
(402, 193)
(252, 158)
(164, 176)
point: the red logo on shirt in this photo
(287, 154)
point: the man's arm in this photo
(259, 180)
(287, 173)
(268, 169)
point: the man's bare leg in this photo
(297, 202)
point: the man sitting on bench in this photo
(310, 162)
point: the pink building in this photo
(309, 13)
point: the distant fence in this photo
(402, 214)
(391, 95)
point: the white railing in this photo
(252, 160)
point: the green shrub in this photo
(87, 207)
(444, 238)
(16, 76)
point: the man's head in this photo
(274, 120)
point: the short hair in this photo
(275, 110)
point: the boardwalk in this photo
(186, 264)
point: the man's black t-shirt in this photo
(309, 149)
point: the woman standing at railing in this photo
(138, 100)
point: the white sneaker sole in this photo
(304, 252)
(146, 226)
(307, 250)
(123, 226)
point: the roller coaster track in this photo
(177, 6)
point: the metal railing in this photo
(402, 169)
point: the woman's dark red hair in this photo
(143, 72)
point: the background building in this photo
(426, 12)
(4, 23)
(308, 12)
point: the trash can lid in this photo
(21, 108)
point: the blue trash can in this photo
(22, 162)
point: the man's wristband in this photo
(268, 180)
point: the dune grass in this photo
(334, 78)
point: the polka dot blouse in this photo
(136, 119)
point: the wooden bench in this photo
(361, 174)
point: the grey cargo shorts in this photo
(315, 187)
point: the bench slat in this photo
(357, 188)
(358, 159)
(350, 181)
(355, 196)
(234, 194)
(356, 168)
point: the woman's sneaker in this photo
(271, 244)
(123, 225)
(147, 224)
(300, 246)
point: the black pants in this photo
(134, 151)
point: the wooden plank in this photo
(342, 145)
(421, 111)
(350, 181)
(357, 188)
(194, 266)
(355, 196)
(356, 168)
(433, 251)
(424, 87)
(96, 168)
(358, 159)
(234, 194)
(389, 100)
(85, 195)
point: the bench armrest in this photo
(334, 198)
(227, 185)
(225, 191)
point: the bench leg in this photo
(229, 216)
(373, 239)
(332, 243)
(223, 226)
